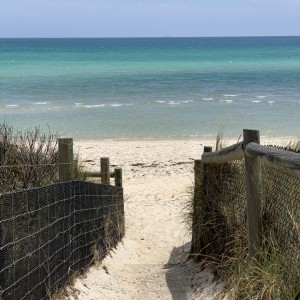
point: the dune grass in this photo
(220, 235)
(274, 274)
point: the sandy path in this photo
(151, 263)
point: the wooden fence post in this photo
(197, 191)
(105, 173)
(207, 149)
(118, 177)
(65, 159)
(197, 168)
(253, 193)
(206, 170)
(199, 186)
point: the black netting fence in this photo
(49, 233)
(281, 208)
(220, 210)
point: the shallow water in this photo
(152, 87)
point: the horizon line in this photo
(143, 37)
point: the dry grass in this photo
(220, 237)
(27, 159)
(274, 274)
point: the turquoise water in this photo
(152, 87)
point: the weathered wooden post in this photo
(197, 168)
(118, 177)
(105, 173)
(207, 149)
(200, 169)
(197, 192)
(65, 159)
(253, 193)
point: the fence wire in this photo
(220, 209)
(281, 208)
(49, 233)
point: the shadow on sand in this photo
(179, 276)
(187, 280)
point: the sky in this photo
(148, 18)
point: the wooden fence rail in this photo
(66, 165)
(253, 155)
(233, 152)
(277, 158)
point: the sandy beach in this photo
(151, 263)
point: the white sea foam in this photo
(179, 102)
(174, 103)
(260, 97)
(271, 102)
(120, 104)
(12, 105)
(231, 95)
(82, 105)
(160, 101)
(117, 105)
(207, 99)
(256, 101)
(93, 106)
(41, 103)
(227, 101)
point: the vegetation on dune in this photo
(220, 231)
(29, 158)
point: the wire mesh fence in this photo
(220, 209)
(49, 233)
(281, 208)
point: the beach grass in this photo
(222, 236)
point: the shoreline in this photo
(127, 153)
(182, 138)
(200, 138)
(202, 141)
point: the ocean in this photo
(152, 88)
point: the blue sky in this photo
(141, 18)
